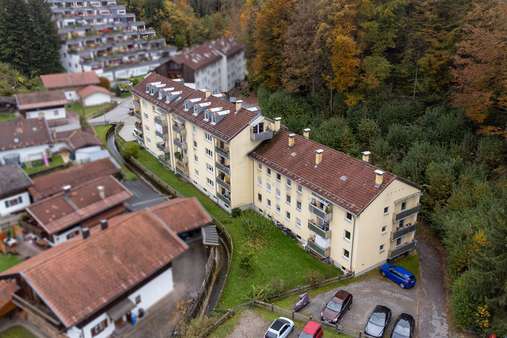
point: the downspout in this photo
(353, 240)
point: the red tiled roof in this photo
(82, 277)
(182, 214)
(60, 211)
(344, 180)
(50, 184)
(7, 289)
(69, 80)
(23, 133)
(89, 90)
(42, 99)
(226, 129)
(77, 139)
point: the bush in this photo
(130, 150)
(236, 212)
(104, 82)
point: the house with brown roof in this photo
(101, 281)
(94, 96)
(217, 65)
(49, 105)
(51, 184)
(14, 185)
(62, 216)
(70, 83)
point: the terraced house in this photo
(340, 208)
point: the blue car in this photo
(404, 278)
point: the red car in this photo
(312, 330)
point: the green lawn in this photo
(411, 263)
(276, 260)
(90, 112)
(16, 332)
(38, 166)
(7, 261)
(4, 117)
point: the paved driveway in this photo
(368, 293)
(118, 114)
(144, 195)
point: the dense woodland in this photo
(420, 83)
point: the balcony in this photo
(180, 144)
(179, 128)
(324, 214)
(402, 249)
(224, 152)
(224, 198)
(408, 212)
(160, 134)
(312, 246)
(161, 146)
(321, 230)
(403, 230)
(224, 182)
(161, 122)
(261, 136)
(181, 168)
(224, 168)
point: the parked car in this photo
(404, 278)
(312, 330)
(378, 321)
(303, 301)
(336, 307)
(280, 328)
(404, 326)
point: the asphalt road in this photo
(119, 114)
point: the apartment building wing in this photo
(80, 289)
(341, 208)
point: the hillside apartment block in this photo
(100, 36)
(341, 208)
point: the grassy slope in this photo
(6, 261)
(278, 258)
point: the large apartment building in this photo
(217, 65)
(100, 36)
(341, 208)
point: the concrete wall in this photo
(24, 202)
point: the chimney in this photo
(292, 140)
(103, 224)
(238, 105)
(379, 177)
(318, 156)
(85, 232)
(66, 189)
(366, 156)
(207, 94)
(102, 191)
(278, 123)
(306, 133)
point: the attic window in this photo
(344, 178)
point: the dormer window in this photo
(187, 105)
(213, 118)
(206, 115)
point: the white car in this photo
(280, 328)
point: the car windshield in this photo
(334, 306)
(378, 318)
(270, 334)
(402, 328)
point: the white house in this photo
(14, 184)
(49, 105)
(94, 96)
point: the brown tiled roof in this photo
(81, 277)
(41, 99)
(60, 211)
(7, 289)
(23, 133)
(226, 129)
(89, 90)
(78, 138)
(228, 46)
(344, 180)
(50, 184)
(13, 180)
(182, 214)
(69, 80)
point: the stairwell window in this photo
(348, 216)
(381, 248)
(346, 254)
(347, 235)
(386, 210)
(403, 205)
(278, 177)
(269, 171)
(287, 199)
(259, 197)
(287, 215)
(298, 205)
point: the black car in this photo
(404, 326)
(378, 321)
(334, 310)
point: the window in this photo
(209, 167)
(138, 299)
(269, 171)
(145, 115)
(278, 208)
(210, 182)
(13, 202)
(269, 203)
(298, 205)
(277, 192)
(384, 228)
(398, 241)
(278, 177)
(268, 186)
(209, 152)
(72, 234)
(196, 172)
(208, 137)
(386, 210)
(287, 215)
(259, 180)
(403, 205)
(259, 165)
(298, 222)
(401, 223)
(347, 235)
(289, 182)
(346, 254)
(300, 188)
(349, 216)
(287, 199)
(194, 129)
(195, 144)
(196, 158)
(97, 329)
(259, 197)
(381, 248)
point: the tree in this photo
(336, 134)
(367, 132)
(179, 24)
(12, 81)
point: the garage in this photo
(94, 96)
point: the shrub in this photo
(246, 262)
(236, 212)
(104, 82)
(130, 150)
